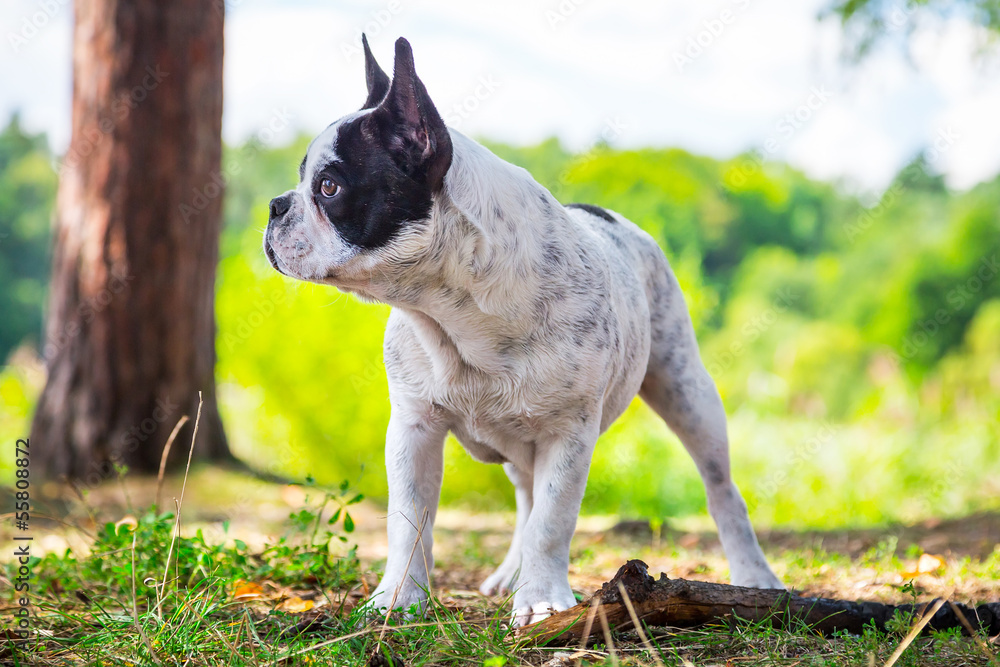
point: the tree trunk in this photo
(130, 337)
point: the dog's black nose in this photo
(280, 205)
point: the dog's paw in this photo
(539, 611)
(502, 581)
(534, 604)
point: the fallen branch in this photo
(682, 603)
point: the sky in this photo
(713, 77)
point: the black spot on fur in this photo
(714, 473)
(618, 241)
(508, 345)
(392, 356)
(552, 253)
(594, 210)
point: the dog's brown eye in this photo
(328, 188)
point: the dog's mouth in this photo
(272, 257)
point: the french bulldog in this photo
(522, 326)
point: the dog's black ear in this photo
(378, 80)
(410, 127)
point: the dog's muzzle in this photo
(277, 210)
(269, 251)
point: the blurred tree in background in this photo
(129, 340)
(868, 23)
(27, 189)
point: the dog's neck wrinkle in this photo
(445, 299)
(490, 223)
(455, 347)
(496, 197)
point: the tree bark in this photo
(130, 336)
(682, 603)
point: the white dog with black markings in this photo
(522, 326)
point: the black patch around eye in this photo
(594, 210)
(332, 171)
(379, 200)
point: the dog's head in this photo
(366, 184)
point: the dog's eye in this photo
(328, 188)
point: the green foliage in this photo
(145, 588)
(145, 551)
(27, 190)
(871, 22)
(854, 344)
(95, 624)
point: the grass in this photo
(137, 591)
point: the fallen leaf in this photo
(926, 564)
(929, 563)
(247, 590)
(296, 605)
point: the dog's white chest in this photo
(506, 403)
(503, 418)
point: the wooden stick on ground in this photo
(682, 603)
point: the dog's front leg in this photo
(502, 581)
(414, 461)
(561, 468)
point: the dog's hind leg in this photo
(502, 580)
(678, 387)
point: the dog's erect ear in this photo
(378, 80)
(410, 127)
